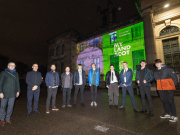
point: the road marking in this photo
(101, 128)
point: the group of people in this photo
(166, 80)
(165, 77)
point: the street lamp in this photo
(167, 5)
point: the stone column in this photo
(149, 38)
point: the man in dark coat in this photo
(113, 84)
(144, 77)
(67, 84)
(9, 90)
(79, 82)
(33, 80)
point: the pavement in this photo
(100, 120)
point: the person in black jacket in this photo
(33, 80)
(166, 80)
(9, 90)
(144, 77)
(113, 84)
(79, 82)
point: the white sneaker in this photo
(165, 116)
(173, 119)
(92, 103)
(95, 104)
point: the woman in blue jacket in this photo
(126, 84)
(93, 78)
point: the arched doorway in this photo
(171, 48)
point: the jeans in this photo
(93, 92)
(68, 91)
(30, 95)
(77, 87)
(131, 93)
(51, 92)
(9, 103)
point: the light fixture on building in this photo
(167, 5)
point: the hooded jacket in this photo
(166, 78)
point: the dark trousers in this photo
(131, 93)
(77, 87)
(68, 91)
(51, 92)
(9, 103)
(93, 93)
(167, 97)
(146, 91)
(30, 95)
(113, 90)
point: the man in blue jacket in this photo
(52, 83)
(144, 77)
(79, 82)
(126, 84)
(93, 78)
(33, 80)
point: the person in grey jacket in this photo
(67, 84)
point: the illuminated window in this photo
(113, 37)
(136, 32)
(83, 64)
(97, 62)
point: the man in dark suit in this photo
(126, 84)
(113, 84)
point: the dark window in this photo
(62, 49)
(171, 52)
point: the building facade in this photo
(155, 35)
(161, 20)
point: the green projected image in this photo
(126, 44)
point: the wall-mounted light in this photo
(167, 5)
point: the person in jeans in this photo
(144, 77)
(67, 84)
(166, 81)
(93, 78)
(79, 82)
(52, 83)
(113, 84)
(33, 80)
(9, 90)
(126, 84)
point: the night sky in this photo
(26, 25)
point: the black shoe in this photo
(110, 106)
(143, 111)
(121, 107)
(151, 114)
(74, 105)
(28, 114)
(36, 112)
(82, 104)
(135, 110)
(115, 106)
